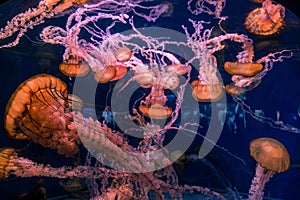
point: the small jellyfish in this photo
(271, 157)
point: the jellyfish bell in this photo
(145, 78)
(36, 111)
(105, 75)
(207, 92)
(243, 69)
(267, 20)
(234, 90)
(156, 111)
(271, 157)
(123, 54)
(120, 72)
(270, 154)
(74, 68)
(177, 68)
(170, 81)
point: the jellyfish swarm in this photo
(37, 110)
(271, 157)
(267, 20)
(103, 55)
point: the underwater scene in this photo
(149, 100)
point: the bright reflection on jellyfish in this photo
(271, 157)
(267, 20)
(36, 111)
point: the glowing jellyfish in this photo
(154, 105)
(243, 69)
(36, 111)
(267, 20)
(271, 157)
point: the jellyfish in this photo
(74, 68)
(38, 110)
(271, 157)
(154, 105)
(108, 64)
(266, 20)
(234, 90)
(243, 69)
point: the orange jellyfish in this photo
(243, 69)
(113, 67)
(105, 75)
(37, 111)
(207, 92)
(122, 55)
(271, 157)
(234, 90)
(74, 68)
(154, 105)
(267, 20)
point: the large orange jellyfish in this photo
(271, 157)
(267, 20)
(37, 111)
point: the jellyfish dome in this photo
(36, 111)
